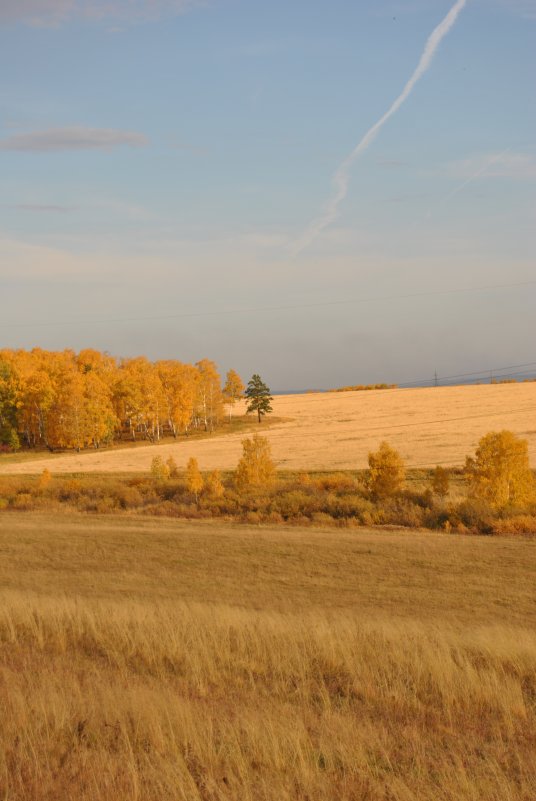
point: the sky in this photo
(170, 175)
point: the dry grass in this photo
(160, 661)
(330, 431)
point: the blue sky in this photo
(161, 159)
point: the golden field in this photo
(336, 431)
(162, 660)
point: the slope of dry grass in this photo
(159, 660)
(440, 425)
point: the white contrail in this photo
(342, 175)
(493, 160)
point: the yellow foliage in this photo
(255, 468)
(44, 479)
(500, 472)
(194, 479)
(159, 469)
(214, 485)
(172, 467)
(64, 400)
(233, 389)
(386, 471)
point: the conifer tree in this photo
(258, 396)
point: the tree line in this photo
(65, 399)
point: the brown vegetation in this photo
(255, 493)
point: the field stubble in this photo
(162, 660)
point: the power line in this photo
(485, 372)
(261, 309)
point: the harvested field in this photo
(159, 660)
(335, 431)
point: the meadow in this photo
(336, 431)
(158, 659)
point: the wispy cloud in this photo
(55, 12)
(341, 178)
(505, 164)
(63, 139)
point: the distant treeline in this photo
(363, 387)
(76, 400)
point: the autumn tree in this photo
(68, 423)
(172, 467)
(179, 388)
(194, 479)
(214, 485)
(386, 473)
(233, 390)
(159, 469)
(36, 397)
(440, 482)
(68, 400)
(8, 407)
(258, 397)
(256, 467)
(209, 394)
(101, 419)
(500, 472)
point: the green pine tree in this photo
(258, 397)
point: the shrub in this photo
(106, 505)
(171, 465)
(254, 518)
(129, 497)
(23, 501)
(440, 482)
(500, 473)
(70, 489)
(194, 479)
(401, 511)
(44, 479)
(519, 524)
(159, 469)
(214, 485)
(255, 468)
(322, 519)
(337, 482)
(386, 472)
(476, 514)
(291, 504)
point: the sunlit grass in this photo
(163, 660)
